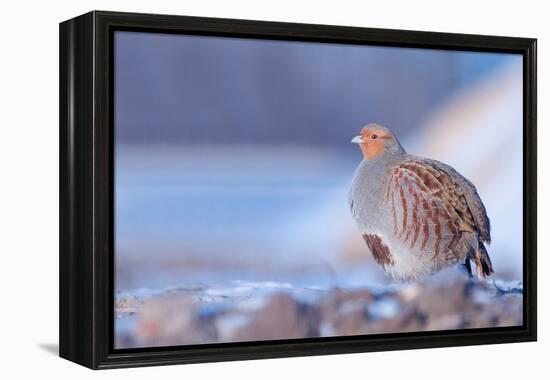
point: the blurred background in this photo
(233, 163)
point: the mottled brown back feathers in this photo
(432, 205)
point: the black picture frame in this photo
(86, 189)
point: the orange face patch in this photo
(373, 145)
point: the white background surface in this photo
(29, 192)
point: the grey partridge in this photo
(417, 215)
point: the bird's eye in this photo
(374, 136)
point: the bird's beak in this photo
(357, 140)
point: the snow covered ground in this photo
(250, 311)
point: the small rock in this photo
(281, 318)
(172, 320)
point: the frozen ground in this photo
(252, 311)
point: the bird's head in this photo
(377, 141)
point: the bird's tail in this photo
(483, 261)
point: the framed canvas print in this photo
(237, 189)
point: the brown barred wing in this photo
(476, 209)
(429, 210)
